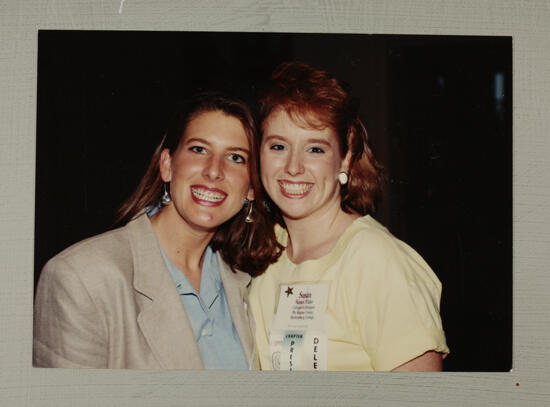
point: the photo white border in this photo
(527, 22)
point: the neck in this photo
(182, 244)
(316, 235)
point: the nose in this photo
(213, 170)
(295, 163)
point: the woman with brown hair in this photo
(167, 290)
(345, 294)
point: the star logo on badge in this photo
(289, 291)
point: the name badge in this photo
(298, 338)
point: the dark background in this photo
(438, 110)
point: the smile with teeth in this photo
(207, 195)
(295, 189)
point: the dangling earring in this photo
(249, 218)
(343, 178)
(165, 199)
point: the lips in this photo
(294, 190)
(207, 196)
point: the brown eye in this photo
(277, 147)
(197, 149)
(237, 158)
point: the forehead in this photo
(217, 127)
(297, 126)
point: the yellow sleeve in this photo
(398, 299)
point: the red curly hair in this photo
(320, 100)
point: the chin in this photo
(208, 227)
(207, 222)
(294, 213)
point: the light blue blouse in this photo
(218, 341)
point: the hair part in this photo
(315, 98)
(249, 247)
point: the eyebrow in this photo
(273, 137)
(203, 141)
(309, 140)
(318, 141)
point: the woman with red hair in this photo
(345, 294)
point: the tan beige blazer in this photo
(110, 302)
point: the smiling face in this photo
(300, 167)
(208, 171)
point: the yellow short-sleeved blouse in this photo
(383, 301)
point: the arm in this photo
(68, 330)
(430, 361)
(400, 322)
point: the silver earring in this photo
(343, 178)
(249, 218)
(165, 199)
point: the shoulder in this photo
(371, 237)
(229, 274)
(366, 237)
(281, 235)
(103, 247)
(90, 260)
(379, 253)
(267, 280)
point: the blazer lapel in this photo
(236, 293)
(162, 318)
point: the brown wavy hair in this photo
(320, 100)
(249, 247)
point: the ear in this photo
(346, 162)
(250, 194)
(165, 165)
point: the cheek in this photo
(320, 167)
(270, 164)
(264, 161)
(239, 178)
(324, 170)
(178, 174)
(185, 165)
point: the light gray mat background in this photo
(527, 385)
